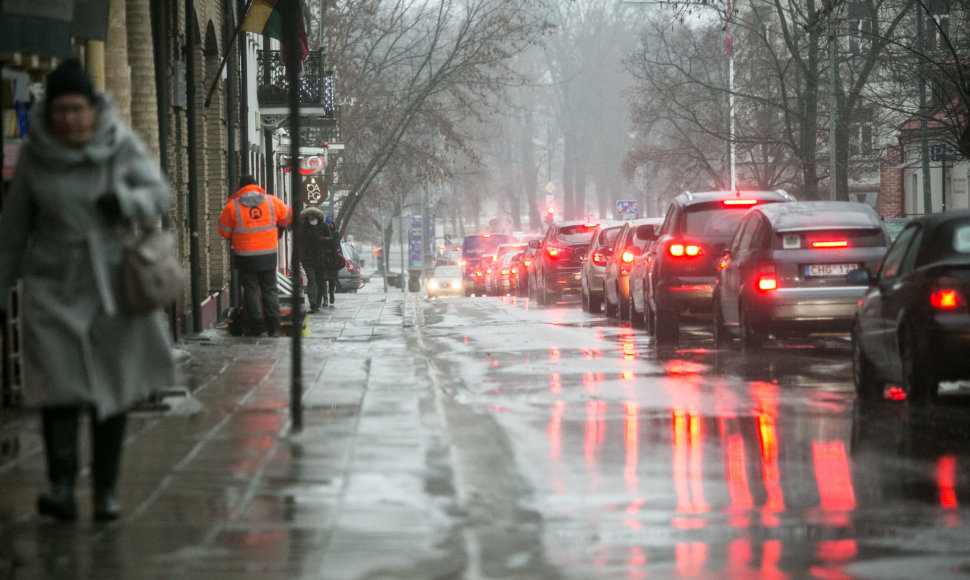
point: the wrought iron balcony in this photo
(316, 88)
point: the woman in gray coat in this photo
(80, 170)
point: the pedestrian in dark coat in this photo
(333, 259)
(80, 170)
(315, 239)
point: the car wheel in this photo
(863, 375)
(549, 298)
(751, 338)
(667, 328)
(636, 321)
(722, 338)
(648, 318)
(584, 302)
(622, 308)
(919, 382)
(595, 304)
(533, 295)
(609, 307)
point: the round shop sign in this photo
(311, 164)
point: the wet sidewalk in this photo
(215, 484)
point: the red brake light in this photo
(948, 296)
(831, 244)
(766, 277)
(599, 259)
(627, 257)
(553, 251)
(526, 263)
(486, 235)
(740, 202)
(590, 225)
(505, 272)
(723, 264)
(689, 250)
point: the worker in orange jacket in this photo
(253, 220)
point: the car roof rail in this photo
(785, 194)
(690, 196)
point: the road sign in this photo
(626, 207)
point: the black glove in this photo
(109, 206)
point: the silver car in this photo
(348, 279)
(785, 271)
(594, 264)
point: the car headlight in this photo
(433, 285)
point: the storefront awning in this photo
(46, 28)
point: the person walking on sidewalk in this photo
(333, 259)
(315, 243)
(253, 220)
(81, 170)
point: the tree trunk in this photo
(530, 176)
(568, 178)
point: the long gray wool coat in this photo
(78, 347)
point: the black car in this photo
(912, 326)
(683, 260)
(558, 260)
(786, 269)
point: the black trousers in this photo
(316, 284)
(60, 427)
(261, 300)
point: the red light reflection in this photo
(946, 476)
(737, 474)
(688, 462)
(595, 430)
(555, 383)
(834, 482)
(690, 558)
(631, 439)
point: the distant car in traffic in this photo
(683, 260)
(912, 326)
(594, 264)
(444, 280)
(631, 243)
(785, 271)
(497, 281)
(473, 247)
(556, 269)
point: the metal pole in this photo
(290, 28)
(833, 169)
(193, 209)
(400, 234)
(924, 148)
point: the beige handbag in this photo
(151, 276)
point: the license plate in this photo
(828, 270)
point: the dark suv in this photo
(558, 260)
(473, 248)
(684, 258)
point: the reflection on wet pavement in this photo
(699, 462)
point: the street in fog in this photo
(615, 462)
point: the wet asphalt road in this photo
(582, 452)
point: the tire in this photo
(636, 321)
(919, 382)
(622, 308)
(751, 338)
(609, 307)
(533, 296)
(584, 302)
(666, 327)
(863, 374)
(722, 338)
(549, 298)
(648, 319)
(595, 304)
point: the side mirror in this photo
(534, 244)
(646, 232)
(859, 277)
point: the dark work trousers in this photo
(60, 427)
(261, 300)
(315, 284)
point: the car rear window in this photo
(475, 246)
(961, 239)
(448, 272)
(608, 236)
(829, 239)
(578, 234)
(714, 221)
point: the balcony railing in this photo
(316, 86)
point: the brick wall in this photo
(891, 201)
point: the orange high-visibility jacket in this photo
(250, 219)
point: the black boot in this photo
(107, 438)
(58, 503)
(60, 429)
(106, 505)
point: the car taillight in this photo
(831, 244)
(742, 202)
(463, 263)
(628, 257)
(505, 272)
(350, 266)
(526, 263)
(766, 278)
(723, 263)
(678, 250)
(599, 258)
(948, 296)
(552, 251)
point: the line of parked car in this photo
(760, 265)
